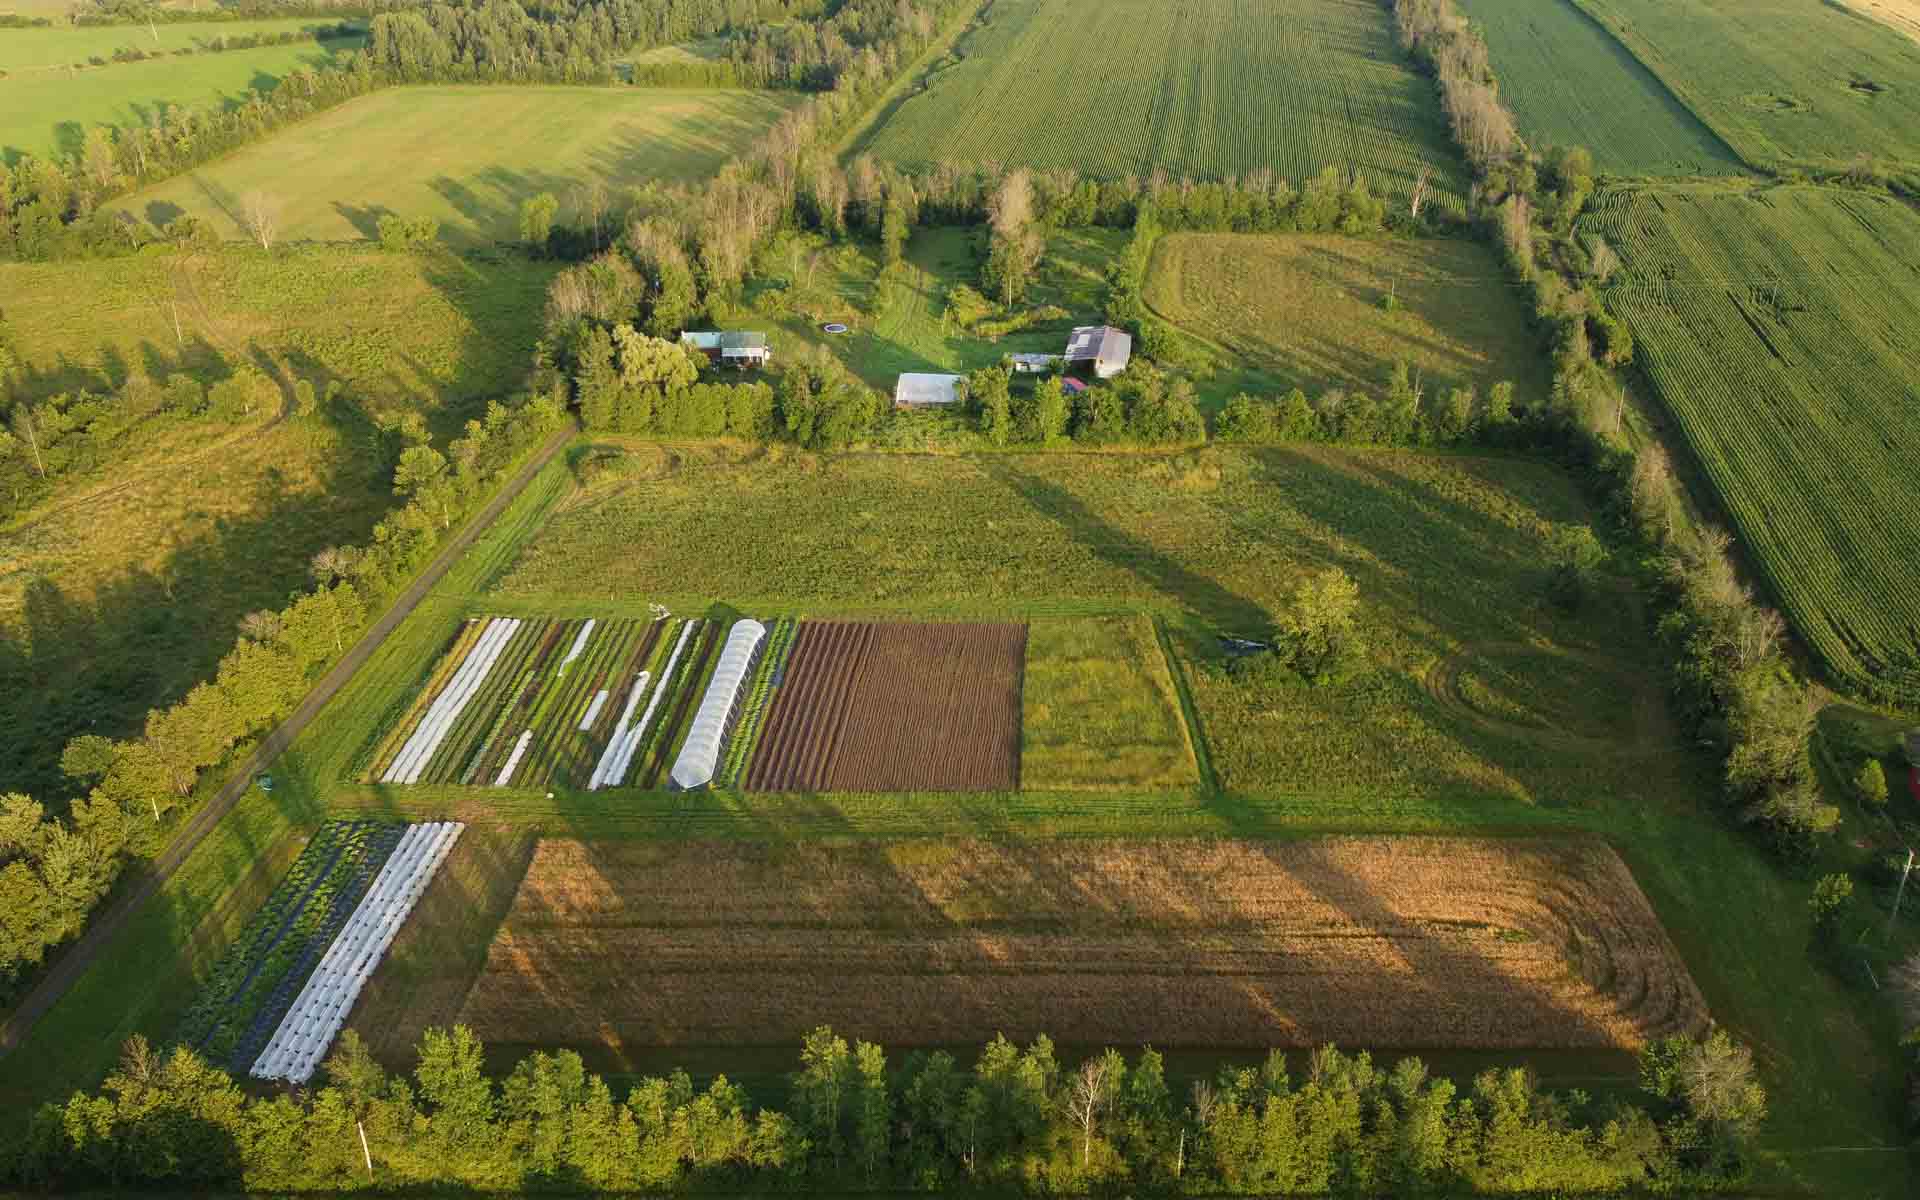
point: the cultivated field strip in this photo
(1113, 88)
(1777, 326)
(1571, 83)
(250, 989)
(895, 706)
(308, 1029)
(1386, 942)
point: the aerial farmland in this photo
(1003, 597)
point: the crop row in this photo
(753, 710)
(253, 983)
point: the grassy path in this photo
(107, 925)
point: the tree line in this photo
(1017, 1120)
(54, 869)
(1737, 690)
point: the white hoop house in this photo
(700, 755)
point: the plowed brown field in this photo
(896, 707)
(1382, 942)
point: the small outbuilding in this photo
(1101, 348)
(1912, 743)
(729, 349)
(916, 390)
(1033, 364)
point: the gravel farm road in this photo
(105, 925)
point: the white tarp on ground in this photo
(700, 755)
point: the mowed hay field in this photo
(1781, 81)
(1311, 312)
(1451, 554)
(1100, 709)
(48, 111)
(1571, 83)
(1777, 326)
(467, 156)
(1127, 87)
(1367, 942)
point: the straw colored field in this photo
(1572, 83)
(46, 111)
(1782, 81)
(895, 707)
(1901, 15)
(1129, 87)
(1312, 312)
(467, 156)
(1376, 942)
(1100, 709)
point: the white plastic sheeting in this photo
(700, 754)
(579, 643)
(425, 740)
(618, 758)
(593, 709)
(308, 1029)
(513, 760)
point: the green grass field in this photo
(65, 45)
(1099, 709)
(1781, 81)
(49, 111)
(1128, 88)
(1776, 325)
(413, 151)
(1311, 312)
(121, 589)
(1571, 83)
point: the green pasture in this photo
(48, 111)
(1783, 82)
(1323, 312)
(1776, 326)
(1131, 87)
(466, 156)
(1571, 83)
(66, 45)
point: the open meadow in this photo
(1776, 326)
(1571, 83)
(1313, 312)
(47, 110)
(63, 46)
(1408, 942)
(1781, 81)
(123, 586)
(1136, 86)
(465, 156)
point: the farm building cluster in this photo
(1100, 351)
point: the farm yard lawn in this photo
(467, 156)
(1100, 710)
(123, 588)
(1407, 942)
(897, 319)
(1781, 81)
(47, 112)
(1571, 83)
(1775, 324)
(1208, 90)
(1310, 312)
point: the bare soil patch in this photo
(896, 707)
(1384, 942)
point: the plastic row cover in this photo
(420, 747)
(700, 754)
(307, 1031)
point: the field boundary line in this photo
(108, 924)
(1189, 715)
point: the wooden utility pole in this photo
(366, 1153)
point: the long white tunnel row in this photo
(308, 1030)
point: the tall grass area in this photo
(125, 585)
(466, 156)
(1127, 87)
(1099, 709)
(45, 110)
(1320, 312)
